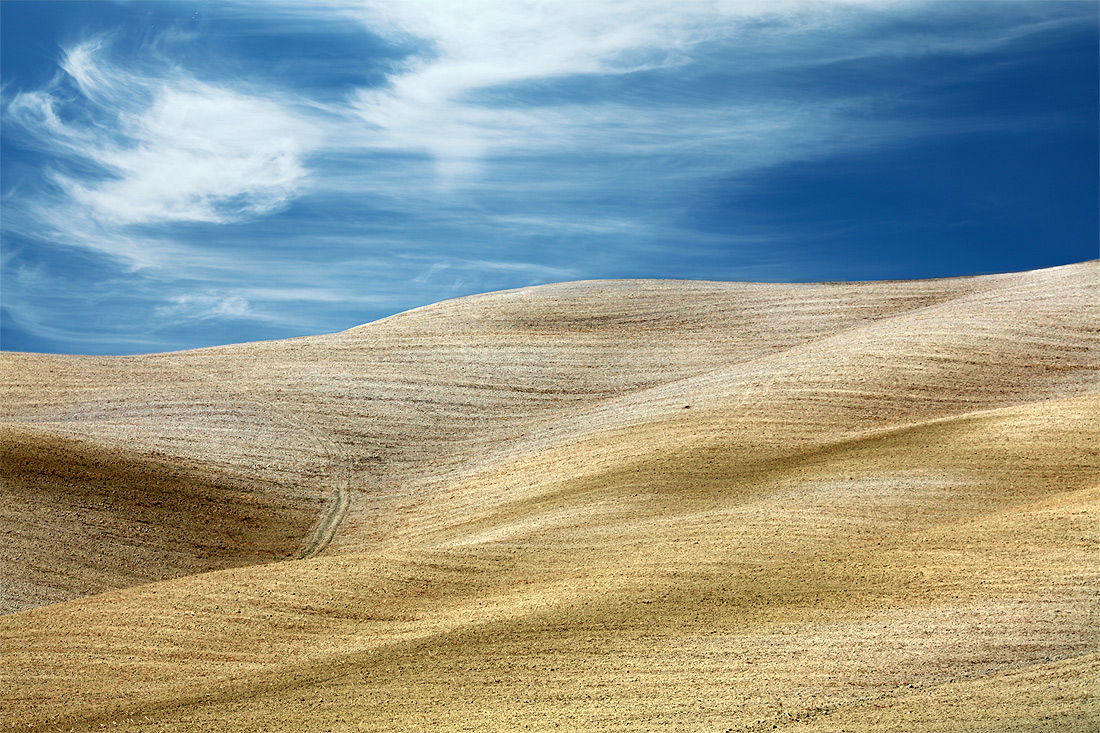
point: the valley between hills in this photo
(608, 505)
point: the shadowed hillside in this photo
(655, 505)
(81, 519)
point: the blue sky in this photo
(184, 174)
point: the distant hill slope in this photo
(603, 505)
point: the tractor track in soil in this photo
(337, 459)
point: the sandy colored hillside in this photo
(620, 505)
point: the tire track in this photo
(339, 501)
(337, 508)
(337, 459)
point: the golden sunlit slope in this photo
(589, 506)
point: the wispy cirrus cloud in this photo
(126, 149)
(436, 102)
(714, 86)
(197, 153)
(206, 305)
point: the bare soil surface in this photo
(643, 505)
(80, 519)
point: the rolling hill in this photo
(610, 505)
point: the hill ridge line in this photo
(611, 401)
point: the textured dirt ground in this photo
(80, 519)
(623, 505)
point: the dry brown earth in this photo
(628, 505)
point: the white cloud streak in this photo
(205, 306)
(435, 104)
(164, 149)
(173, 149)
(430, 105)
(198, 154)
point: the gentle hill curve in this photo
(650, 504)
